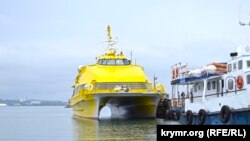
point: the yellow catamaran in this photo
(115, 82)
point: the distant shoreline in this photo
(32, 102)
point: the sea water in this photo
(58, 124)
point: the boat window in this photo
(199, 87)
(230, 84)
(102, 62)
(240, 65)
(99, 62)
(218, 86)
(208, 86)
(234, 66)
(110, 62)
(213, 85)
(229, 67)
(248, 63)
(248, 79)
(119, 62)
(126, 62)
(222, 83)
(113, 62)
(195, 88)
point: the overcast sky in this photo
(43, 42)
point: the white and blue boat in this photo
(218, 93)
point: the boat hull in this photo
(122, 105)
(240, 117)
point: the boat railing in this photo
(133, 87)
(186, 73)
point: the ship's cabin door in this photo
(230, 84)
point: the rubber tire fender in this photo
(202, 114)
(225, 114)
(189, 117)
(177, 115)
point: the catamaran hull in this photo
(122, 105)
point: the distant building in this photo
(35, 102)
(3, 105)
(21, 100)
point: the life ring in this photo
(189, 117)
(202, 116)
(175, 73)
(239, 82)
(225, 113)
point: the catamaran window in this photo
(213, 85)
(119, 62)
(234, 66)
(229, 67)
(110, 62)
(230, 84)
(248, 64)
(113, 62)
(126, 62)
(248, 79)
(102, 62)
(208, 86)
(240, 65)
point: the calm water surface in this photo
(58, 124)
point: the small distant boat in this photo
(3, 105)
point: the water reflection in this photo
(167, 122)
(110, 129)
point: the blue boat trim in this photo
(239, 116)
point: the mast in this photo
(110, 43)
(109, 33)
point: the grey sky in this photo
(43, 42)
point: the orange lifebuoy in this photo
(240, 82)
(175, 73)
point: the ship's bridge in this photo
(113, 60)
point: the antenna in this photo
(240, 13)
(240, 22)
(155, 78)
(131, 56)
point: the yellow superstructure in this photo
(114, 81)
